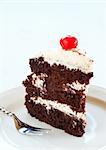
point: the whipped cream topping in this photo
(72, 59)
(59, 106)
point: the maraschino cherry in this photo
(69, 42)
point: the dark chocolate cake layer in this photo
(53, 90)
(56, 118)
(57, 87)
(39, 65)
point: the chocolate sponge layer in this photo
(56, 118)
(56, 87)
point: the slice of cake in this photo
(57, 87)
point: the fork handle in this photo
(2, 109)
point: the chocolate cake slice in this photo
(57, 87)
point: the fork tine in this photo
(27, 129)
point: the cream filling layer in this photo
(59, 106)
(38, 81)
(72, 59)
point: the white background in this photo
(26, 27)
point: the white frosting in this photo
(59, 106)
(38, 83)
(77, 86)
(72, 59)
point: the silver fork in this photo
(22, 127)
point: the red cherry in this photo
(69, 42)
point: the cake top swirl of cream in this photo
(73, 59)
(69, 56)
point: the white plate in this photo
(94, 138)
